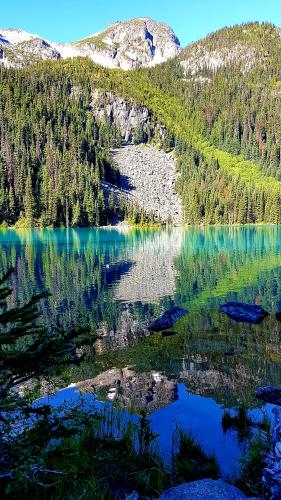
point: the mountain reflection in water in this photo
(117, 283)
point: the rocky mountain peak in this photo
(127, 45)
(15, 36)
(131, 44)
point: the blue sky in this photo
(68, 20)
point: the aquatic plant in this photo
(102, 454)
(191, 462)
(250, 480)
(240, 422)
(264, 424)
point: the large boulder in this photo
(168, 319)
(269, 395)
(204, 489)
(245, 313)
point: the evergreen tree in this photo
(29, 204)
(28, 353)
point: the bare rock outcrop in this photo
(131, 44)
(127, 117)
(204, 489)
(167, 319)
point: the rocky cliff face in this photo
(148, 175)
(20, 48)
(127, 117)
(132, 44)
(127, 45)
(200, 57)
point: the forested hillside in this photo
(53, 153)
(237, 87)
(220, 102)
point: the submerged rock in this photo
(269, 395)
(246, 313)
(168, 319)
(204, 489)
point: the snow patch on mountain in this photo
(127, 45)
(15, 36)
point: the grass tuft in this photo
(190, 461)
(240, 422)
(250, 480)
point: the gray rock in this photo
(167, 319)
(245, 313)
(269, 395)
(122, 113)
(272, 462)
(204, 489)
(148, 178)
(131, 44)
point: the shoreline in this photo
(127, 226)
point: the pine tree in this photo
(76, 217)
(29, 205)
(28, 353)
(12, 205)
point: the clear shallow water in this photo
(117, 282)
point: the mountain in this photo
(233, 78)
(19, 48)
(229, 85)
(215, 106)
(132, 44)
(242, 46)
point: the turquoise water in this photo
(116, 282)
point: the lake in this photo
(117, 281)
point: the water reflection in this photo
(118, 282)
(152, 275)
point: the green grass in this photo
(97, 40)
(250, 480)
(191, 462)
(240, 422)
(96, 456)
